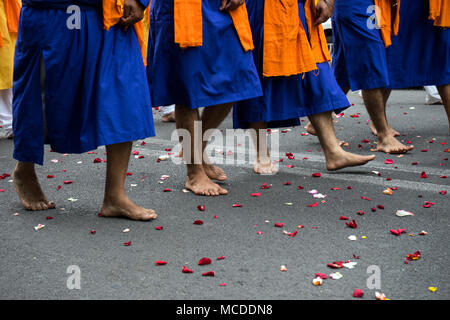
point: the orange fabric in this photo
(12, 11)
(286, 50)
(112, 12)
(242, 25)
(440, 13)
(388, 18)
(188, 23)
(317, 37)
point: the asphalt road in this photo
(34, 263)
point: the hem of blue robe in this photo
(421, 83)
(19, 156)
(250, 93)
(337, 106)
(366, 85)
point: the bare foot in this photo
(122, 206)
(392, 131)
(310, 129)
(389, 144)
(199, 183)
(343, 159)
(265, 167)
(214, 172)
(168, 117)
(30, 192)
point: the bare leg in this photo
(263, 164)
(310, 128)
(444, 92)
(116, 203)
(212, 117)
(197, 179)
(28, 188)
(335, 156)
(374, 101)
(386, 94)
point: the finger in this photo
(223, 4)
(126, 10)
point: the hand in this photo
(324, 10)
(230, 5)
(133, 12)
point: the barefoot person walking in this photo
(360, 60)
(292, 59)
(200, 56)
(95, 93)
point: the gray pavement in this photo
(34, 263)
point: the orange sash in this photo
(112, 12)
(188, 23)
(440, 13)
(12, 13)
(287, 50)
(388, 20)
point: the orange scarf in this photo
(440, 13)
(188, 23)
(287, 50)
(388, 20)
(112, 12)
(12, 12)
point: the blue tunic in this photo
(286, 99)
(217, 72)
(96, 91)
(420, 54)
(359, 55)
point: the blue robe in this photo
(420, 54)
(216, 73)
(359, 55)
(286, 99)
(96, 91)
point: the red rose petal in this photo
(389, 161)
(443, 192)
(160, 262)
(68, 182)
(317, 175)
(186, 270)
(397, 232)
(93, 232)
(97, 160)
(201, 208)
(50, 176)
(167, 190)
(315, 204)
(209, 274)
(279, 224)
(204, 261)
(358, 293)
(236, 205)
(352, 224)
(159, 227)
(257, 194)
(221, 258)
(360, 212)
(423, 175)
(321, 275)
(343, 218)
(198, 222)
(127, 244)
